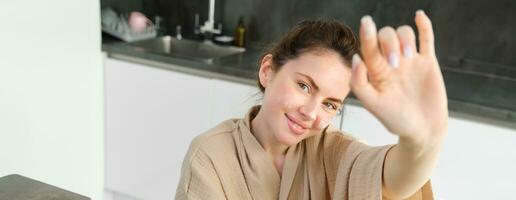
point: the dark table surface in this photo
(17, 187)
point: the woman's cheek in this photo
(274, 97)
(323, 122)
(288, 97)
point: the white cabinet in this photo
(363, 125)
(152, 115)
(231, 100)
(478, 160)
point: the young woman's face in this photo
(304, 95)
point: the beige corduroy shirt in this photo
(227, 162)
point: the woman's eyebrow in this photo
(312, 82)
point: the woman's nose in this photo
(308, 110)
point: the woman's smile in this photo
(295, 126)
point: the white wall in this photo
(51, 118)
(478, 160)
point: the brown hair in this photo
(313, 35)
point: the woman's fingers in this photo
(390, 45)
(407, 41)
(370, 49)
(387, 48)
(360, 85)
(426, 34)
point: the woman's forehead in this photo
(320, 65)
(327, 70)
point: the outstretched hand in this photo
(401, 86)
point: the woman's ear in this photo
(265, 73)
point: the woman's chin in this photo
(288, 138)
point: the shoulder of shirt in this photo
(215, 138)
(332, 133)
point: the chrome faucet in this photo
(197, 27)
(179, 36)
(209, 26)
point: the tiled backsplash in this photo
(471, 35)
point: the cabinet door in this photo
(232, 100)
(470, 147)
(151, 117)
(364, 126)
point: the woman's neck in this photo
(266, 137)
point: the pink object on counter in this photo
(138, 22)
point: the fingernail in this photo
(368, 24)
(394, 60)
(407, 51)
(355, 61)
(420, 12)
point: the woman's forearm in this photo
(408, 166)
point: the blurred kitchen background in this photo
(91, 105)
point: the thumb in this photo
(363, 90)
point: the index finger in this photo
(426, 33)
(370, 49)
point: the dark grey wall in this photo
(472, 34)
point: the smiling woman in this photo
(286, 148)
(307, 92)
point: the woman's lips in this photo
(295, 127)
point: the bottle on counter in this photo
(159, 26)
(240, 33)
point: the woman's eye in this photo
(304, 87)
(331, 106)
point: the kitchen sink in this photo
(184, 48)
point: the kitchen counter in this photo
(476, 96)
